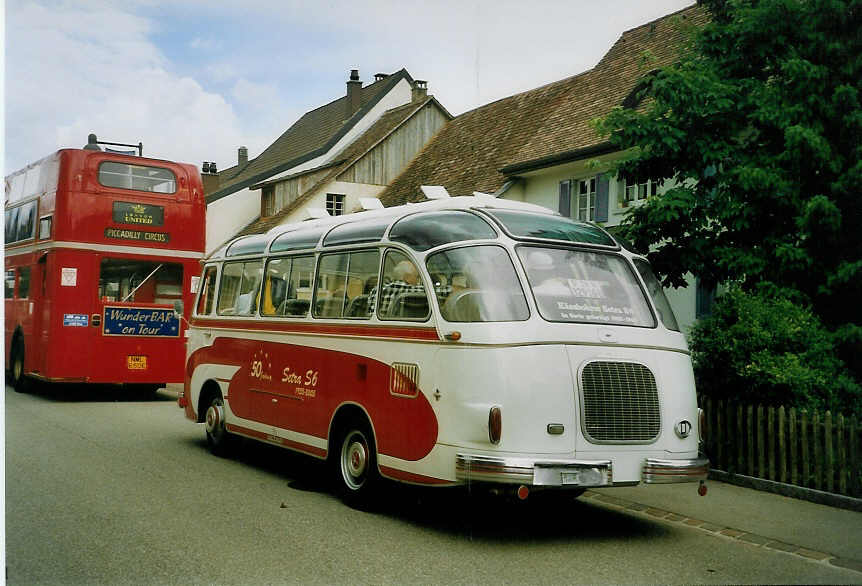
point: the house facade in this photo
(239, 197)
(541, 146)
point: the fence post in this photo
(761, 447)
(842, 456)
(854, 458)
(806, 468)
(740, 437)
(770, 428)
(827, 436)
(719, 436)
(750, 434)
(818, 462)
(782, 447)
(794, 477)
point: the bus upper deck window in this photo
(138, 177)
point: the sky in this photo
(195, 79)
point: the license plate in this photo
(136, 362)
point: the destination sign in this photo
(140, 321)
(138, 213)
(137, 235)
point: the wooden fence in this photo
(809, 449)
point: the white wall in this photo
(229, 215)
(351, 191)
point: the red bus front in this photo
(102, 246)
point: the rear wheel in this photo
(17, 377)
(218, 438)
(355, 465)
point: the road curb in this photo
(725, 532)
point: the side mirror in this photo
(178, 308)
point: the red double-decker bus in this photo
(99, 248)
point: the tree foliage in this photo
(775, 352)
(758, 127)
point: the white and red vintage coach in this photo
(459, 340)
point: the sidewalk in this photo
(752, 516)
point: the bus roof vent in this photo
(370, 203)
(316, 213)
(434, 191)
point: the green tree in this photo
(758, 126)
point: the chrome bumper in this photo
(585, 473)
(658, 471)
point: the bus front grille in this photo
(619, 403)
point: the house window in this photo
(585, 202)
(267, 200)
(638, 190)
(704, 299)
(335, 204)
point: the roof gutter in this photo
(602, 148)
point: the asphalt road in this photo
(101, 490)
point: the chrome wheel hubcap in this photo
(354, 460)
(214, 419)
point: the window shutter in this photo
(566, 198)
(602, 197)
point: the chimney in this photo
(420, 90)
(242, 156)
(354, 93)
(210, 178)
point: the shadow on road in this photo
(459, 511)
(95, 393)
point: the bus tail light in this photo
(495, 425)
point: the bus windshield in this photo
(585, 287)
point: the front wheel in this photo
(356, 466)
(218, 438)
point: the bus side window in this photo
(9, 284)
(285, 291)
(205, 301)
(341, 284)
(240, 288)
(402, 295)
(23, 282)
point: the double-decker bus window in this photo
(205, 301)
(9, 284)
(402, 295)
(45, 228)
(26, 221)
(11, 234)
(286, 291)
(140, 281)
(24, 282)
(139, 177)
(482, 283)
(240, 288)
(344, 282)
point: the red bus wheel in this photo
(18, 379)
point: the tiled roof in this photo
(386, 124)
(481, 149)
(311, 136)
